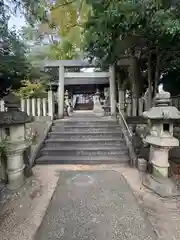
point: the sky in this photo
(17, 21)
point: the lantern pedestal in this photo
(162, 186)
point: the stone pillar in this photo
(15, 165)
(15, 149)
(44, 107)
(121, 100)
(2, 107)
(134, 107)
(61, 92)
(50, 105)
(23, 105)
(140, 107)
(39, 107)
(129, 107)
(160, 161)
(34, 107)
(112, 85)
(28, 106)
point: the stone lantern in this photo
(97, 108)
(67, 106)
(161, 140)
(12, 125)
(66, 97)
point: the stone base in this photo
(164, 187)
(99, 114)
(16, 179)
(98, 110)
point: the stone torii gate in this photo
(65, 76)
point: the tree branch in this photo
(62, 5)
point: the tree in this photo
(69, 18)
(145, 31)
(31, 90)
(40, 32)
(33, 10)
(13, 64)
(64, 50)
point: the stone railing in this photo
(134, 107)
(35, 107)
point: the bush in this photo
(31, 90)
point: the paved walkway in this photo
(94, 205)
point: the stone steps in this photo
(84, 141)
(123, 159)
(83, 135)
(92, 124)
(85, 129)
(53, 142)
(85, 151)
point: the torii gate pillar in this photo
(112, 88)
(61, 92)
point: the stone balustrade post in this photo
(134, 107)
(44, 107)
(33, 101)
(2, 106)
(28, 106)
(140, 107)
(129, 107)
(39, 107)
(23, 105)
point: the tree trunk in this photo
(149, 81)
(157, 73)
(137, 81)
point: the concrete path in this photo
(94, 205)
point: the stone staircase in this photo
(84, 141)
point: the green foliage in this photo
(64, 50)
(33, 10)
(69, 18)
(113, 25)
(31, 90)
(13, 63)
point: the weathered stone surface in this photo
(94, 205)
(84, 138)
(164, 187)
(14, 117)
